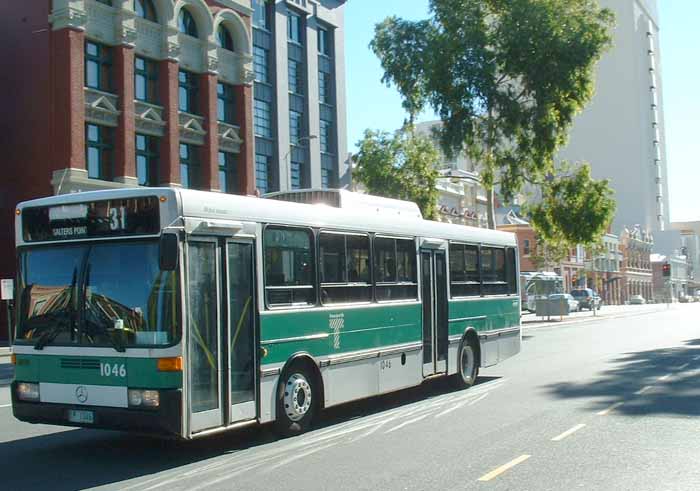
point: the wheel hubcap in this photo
(467, 364)
(297, 397)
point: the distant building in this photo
(676, 285)
(637, 245)
(462, 199)
(621, 132)
(604, 270)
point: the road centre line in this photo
(500, 470)
(568, 432)
(609, 409)
(643, 390)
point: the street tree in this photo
(400, 165)
(506, 77)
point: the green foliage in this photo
(506, 78)
(575, 209)
(400, 166)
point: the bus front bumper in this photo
(165, 420)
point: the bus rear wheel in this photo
(467, 365)
(297, 400)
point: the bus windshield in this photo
(109, 294)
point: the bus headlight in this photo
(27, 391)
(144, 398)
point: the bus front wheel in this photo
(467, 365)
(297, 400)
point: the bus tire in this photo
(467, 365)
(298, 397)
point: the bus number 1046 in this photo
(112, 370)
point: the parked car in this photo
(684, 298)
(574, 305)
(587, 298)
(637, 300)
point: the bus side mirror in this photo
(168, 252)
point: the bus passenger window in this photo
(465, 278)
(395, 269)
(511, 275)
(289, 267)
(344, 268)
(493, 271)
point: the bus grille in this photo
(80, 363)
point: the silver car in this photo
(574, 305)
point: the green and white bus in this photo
(185, 313)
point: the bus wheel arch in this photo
(468, 360)
(300, 394)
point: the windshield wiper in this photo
(64, 319)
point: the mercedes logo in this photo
(81, 394)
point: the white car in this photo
(637, 300)
(574, 305)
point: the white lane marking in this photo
(568, 432)
(696, 358)
(460, 405)
(301, 455)
(609, 409)
(406, 423)
(500, 470)
(683, 366)
(643, 390)
(6, 405)
(665, 377)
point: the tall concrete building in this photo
(232, 96)
(621, 132)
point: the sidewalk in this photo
(530, 321)
(6, 369)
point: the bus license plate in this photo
(77, 416)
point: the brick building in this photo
(636, 245)
(221, 95)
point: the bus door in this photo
(221, 332)
(435, 321)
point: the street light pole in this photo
(287, 164)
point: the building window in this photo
(261, 14)
(294, 24)
(98, 66)
(289, 267)
(145, 10)
(326, 136)
(295, 127)
(189, 166)
(228, 172)
(189, 89)
(328, 178)
(263, 119)
(262, 172)
(223, 38)
(261, 64)
(98, 152)
(296, 77)
(324, 42)
(526, 247)
(295, 168)
(147, 160)
(146, 80)
(186, 23)
(325, 88)
(225, 103)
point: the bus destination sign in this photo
(108, 218)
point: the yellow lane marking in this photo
(610, 409)
(643, 390)
(500, 470)
(571, 431)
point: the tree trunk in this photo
(491, 208)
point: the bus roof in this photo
(220, 206)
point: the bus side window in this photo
(493, 271)
(511, 271)
(289, 266)
(465, 277)
(344, 268)
(395, 269)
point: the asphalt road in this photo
(611, 404)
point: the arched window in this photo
(145, 10)
(186, 23)
(223, 37)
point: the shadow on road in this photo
(678, 394)
(81, 458)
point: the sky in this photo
(372, 104)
